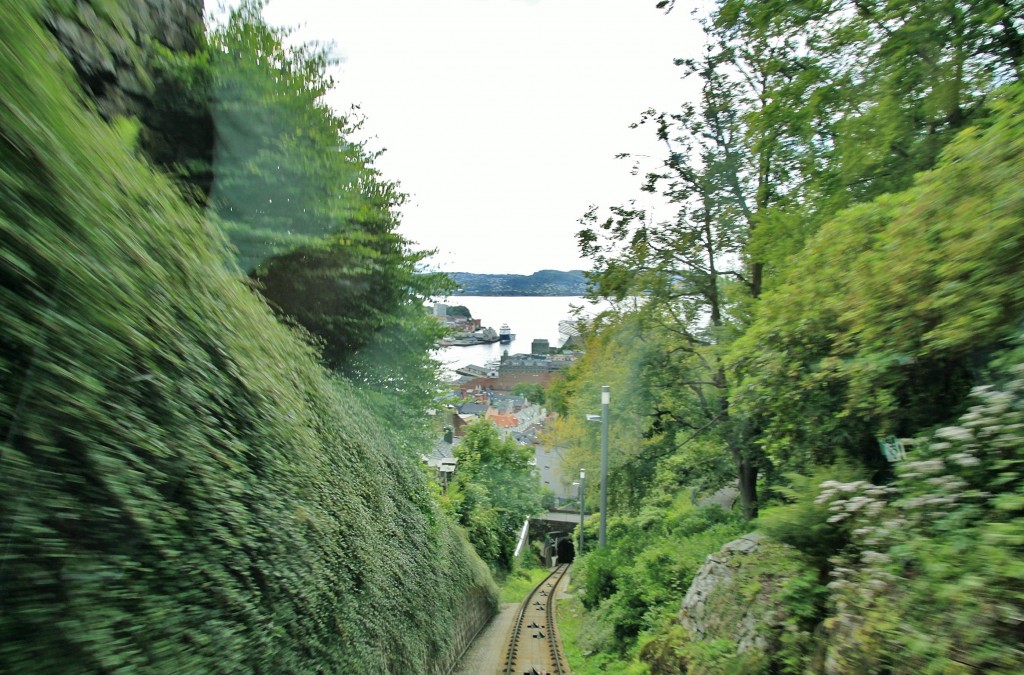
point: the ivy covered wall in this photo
(183, 486)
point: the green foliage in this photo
(363, 312)
(699, 279)
(460, 310)
(179, 132)
(635, 584)
(801, 521)
(618, 357)
(861, 161)
(183, 488)
(561, 389)
(576, 630)
(699, 462)
(312, 219)
(767, 602)
(396, 371)
(887, 315)
(493, 492)
(664, 652)
(803, 599)
(935, 581)
(857, 97)
(675, 652)
(808, 108)
(284, 174)
(531, 391)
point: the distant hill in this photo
(544, 282)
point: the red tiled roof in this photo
(504, 421)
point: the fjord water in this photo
(529, 317)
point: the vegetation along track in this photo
(533, 645)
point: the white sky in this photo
(502, 118)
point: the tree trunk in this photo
(746, 468)
(746, 472)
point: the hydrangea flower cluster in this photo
(964, 483)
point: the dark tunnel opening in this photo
(566, 551)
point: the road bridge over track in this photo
(554, 529)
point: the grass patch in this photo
(571, 617)
(518, 584)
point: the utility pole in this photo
(605, 400)
(583, 476)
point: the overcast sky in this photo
(502, 118)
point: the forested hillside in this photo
(543, 282)
(190, 484)
(830, 321)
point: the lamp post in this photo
(605, 400)
(603, 418)
(583, 476)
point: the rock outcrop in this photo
(111, 46)
(743, 597)
(106, 43)
(726, 597)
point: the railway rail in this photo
(534, 647)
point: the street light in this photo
(605, 400)
(579, 484)
(603, 418)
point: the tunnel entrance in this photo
(565, 551)
(555, 529)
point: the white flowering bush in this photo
(933, 579)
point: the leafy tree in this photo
(562, 388)
(532, 392)
(493, 492)
(838, 263)
(312, 219)
(460, 310)
(284, 173)
(356, 297)
(689, 268)
(179, 132)
(864, 94)
(616, 357)
(895, 307)
(807, 108)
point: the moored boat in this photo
(568, 328)
(480, 337)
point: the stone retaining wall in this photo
(478, 609)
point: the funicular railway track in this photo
(533, 646)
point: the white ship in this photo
(480, 337)
(568, 328)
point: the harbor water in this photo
(529, 317)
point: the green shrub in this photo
(595, 576)
(635, 584)
(493, 493)
(801, 521)
(934, 580)
(675, 652)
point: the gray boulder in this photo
(741, 598)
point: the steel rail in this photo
(555, 657)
